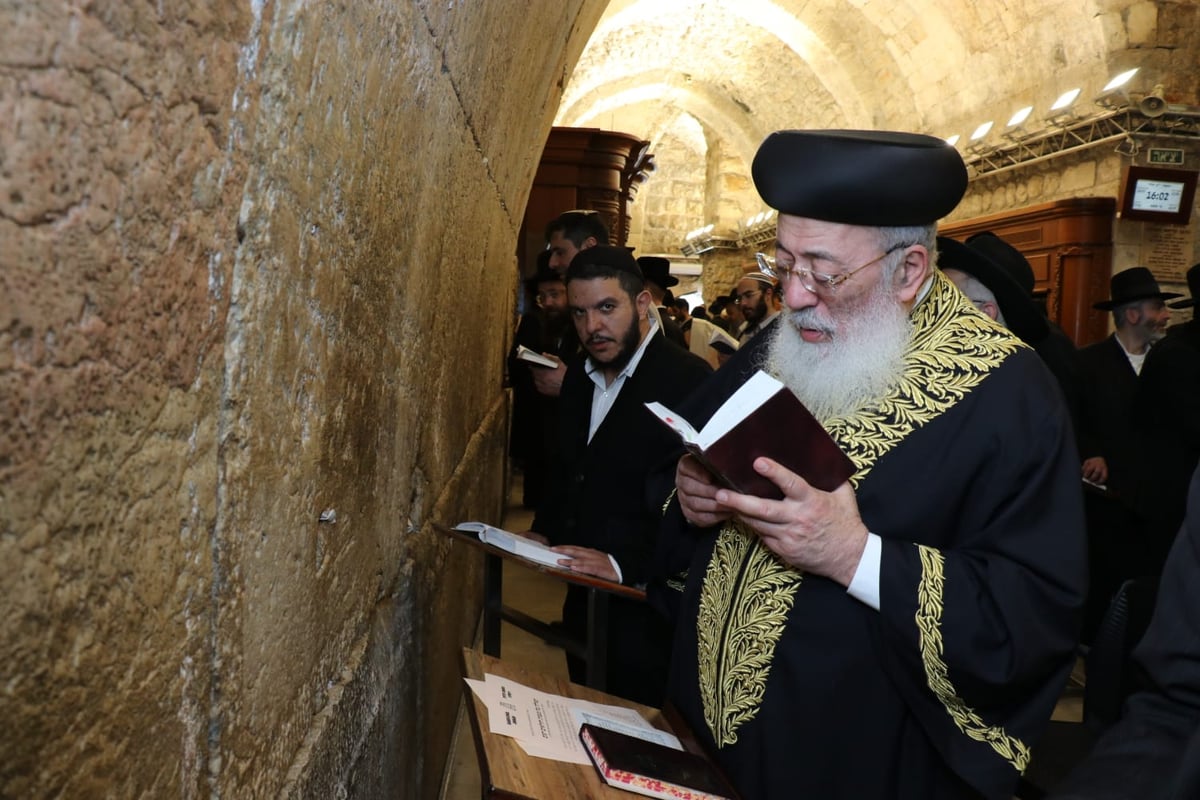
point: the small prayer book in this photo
(652, 769)
(762, 418)
(722, 342)
(534, 357)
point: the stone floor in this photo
(541, 597)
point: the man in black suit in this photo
(1110, 371)
(1167, 411)
(598, 512)
(1153, 752)
(656, 272)
(1122, 530)
(545, 329)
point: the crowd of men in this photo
(908, 634)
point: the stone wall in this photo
(256, 270)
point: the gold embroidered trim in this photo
(950, 354)
(929, 620)
(747, 592)
(667, 502)
(737, 633)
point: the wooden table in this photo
(593, 651)
(506, 771)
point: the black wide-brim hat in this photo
(657, 270)
(1193, 281)
(1135, 283)
(873, 178)
(1020, 314)
(1004, 255)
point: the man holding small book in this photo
(597, 512)
(907, 634)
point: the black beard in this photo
(629, 346)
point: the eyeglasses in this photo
(815, 282)
(738, 299)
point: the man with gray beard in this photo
(908, 634)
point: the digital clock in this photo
(1154, 194)
(1151, 195)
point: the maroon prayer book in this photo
(762, 418)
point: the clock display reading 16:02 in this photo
(1151, 195)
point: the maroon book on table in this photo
(653, 769)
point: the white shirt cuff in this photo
(617, 568)
(865, 586)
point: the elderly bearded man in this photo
(908, 634)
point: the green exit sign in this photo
(1163, 155)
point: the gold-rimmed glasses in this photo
(816, 282)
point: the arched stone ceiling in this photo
(747, 67)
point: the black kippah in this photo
(876, 178)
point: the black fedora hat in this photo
(1135, 283)
(1193, 280)
(1003, 254)
(657, 270)
(1020, 314)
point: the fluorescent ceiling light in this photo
(1020, 116)
(1065, 99)
(1120, 80)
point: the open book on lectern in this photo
(512, 542)
(762, 418)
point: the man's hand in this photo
(587, 561)
(697, 492)
(1095, 469)
(549, 381)
(819, 532)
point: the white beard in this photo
(855, 366)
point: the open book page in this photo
(722, 342)
(752, 394)
(513, 543)
(534, 357)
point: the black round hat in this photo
(618, 258)
(875, 178)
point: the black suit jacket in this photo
(599, 497)
(1169, 415)
(1107, 424)
(1153, 752)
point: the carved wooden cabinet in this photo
(585, 168)
(1069, 245)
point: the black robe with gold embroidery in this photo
(968, 473)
